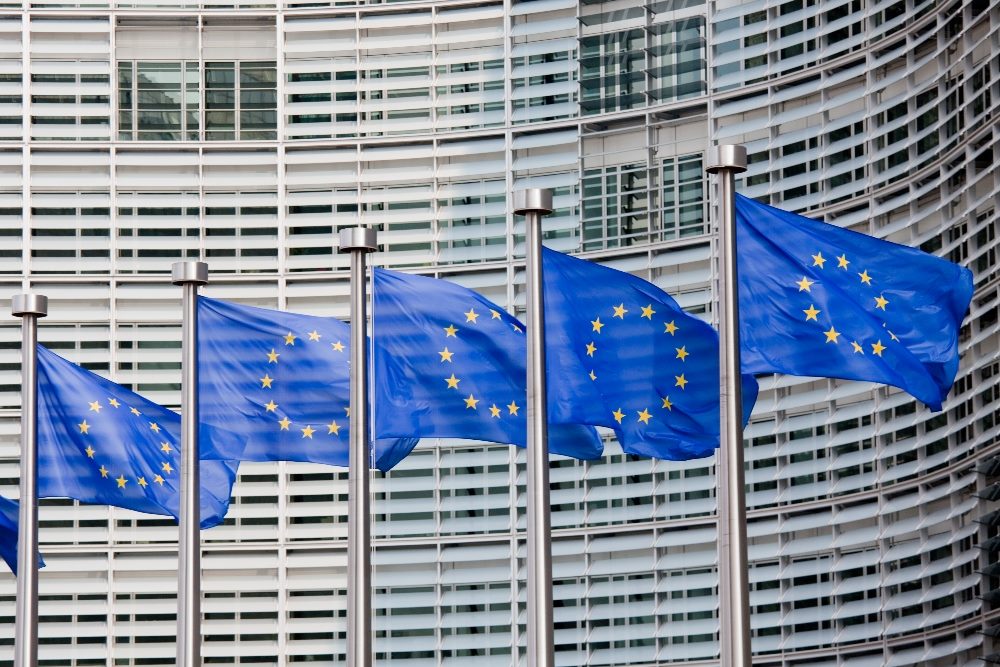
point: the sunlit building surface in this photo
(137, 134)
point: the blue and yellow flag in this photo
(622, 354)
(8, 534)
(100, 443)
(821, 301)
(282, 381)
(451, 364)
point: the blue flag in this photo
(451, 364)
(822, 301)
(100, 443)
(627, 357)
(281, 380)
(8, 534)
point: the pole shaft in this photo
(359, 643)
(541, 651)
(734, 591)
(26, 624)
(189, 546)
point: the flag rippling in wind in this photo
(623, 354)
(449, 363)
(281, 380)
(8, 534)
(100, 443)
(821, 301)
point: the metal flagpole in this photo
(533, 204)
(359, 241)
(189, 275)
(734, 596)
(29, 307)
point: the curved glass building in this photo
(246, 133)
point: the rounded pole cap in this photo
(533, 200)
(189, 272)
(732, 157)
(29, 304)
(358, 238)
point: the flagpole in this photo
(29, 307)
(533, 203)
(359, 241)
(734, 599)
(189, 275)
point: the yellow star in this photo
(103, 471)
(347, 411)
(819, 260)
(618, 415)
(865, 278)
(113, 402)
(271, 406)
(592, 375)
(272, 356)
(333, 428)
(449, 331)
(494, 315)
(881, 302)
(166, 448)
(121, 481)
(285, 422)
(513, 407)
(308, 431)
(315, 335)
(667, 404)
(877, 348)
(620, 311)
(681, 381)
(84, 426)
(158, 479)
(142, 482)
(452, 382)
(682, 352)
(591, 348)
(338, 346)
(670, 328)
(644, 416)
(648, 311)
(494, 411)
(95, 406)
(471, 316)
(842, 262)
(812, 313)
(893, 336)
(166, 467)
(446, 354)
(597, 324)
(832, 335)
(516, 328)
(290, 338)
(471, 402)
(265, 382)
(154, 427)
(805, 284)
(135, 412)
(857, 348)
(90, 452)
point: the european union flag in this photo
(627, 357)
(281, 380)
(822, 301)
(8, 534)
(451, 364)
(100, 443)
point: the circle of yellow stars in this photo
(267, 382)
(670, 328)
(446, 355)
(121, 481)
(866, 279)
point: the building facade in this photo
(246, 133)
